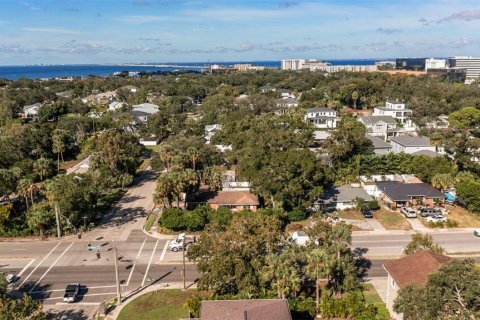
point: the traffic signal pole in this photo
(117, 277)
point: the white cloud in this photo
(13, 49)
(466, 15)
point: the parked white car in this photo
(437, 218)
(476, 232)
(408, 212)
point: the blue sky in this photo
(118, 31)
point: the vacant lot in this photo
(160, 305)
(392, 220)
(463, 217)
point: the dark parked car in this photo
(428, 212)
(366, 212)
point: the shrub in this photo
(297, 215)
(452, 224)
(294, 227)
(373, 205)
(150, 220)
(222, 216)
(193, 221)
(172, 219)
(435, 225)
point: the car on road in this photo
(366, 212)
(71, 292)
(428, 212)
(437, 218)
(476, 232)
(179, 243)
(11, 278)
(408, 212)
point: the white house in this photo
(285, 93)
(143, 111)
(267, 88)
(342, 198)
(398, 111)
(115, 105)
(210, 131)
(411, 144)
(383, 127)
(321, 117)
(31, 111)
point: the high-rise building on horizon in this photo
(432, 63)
(471, 64)
(293, 64)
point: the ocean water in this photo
(52, 71)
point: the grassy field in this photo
(371, 296)
(392, 220)
(151, 219)
(463, 217)
(161, 305)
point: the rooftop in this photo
(372, 120)
(345, 194)
(237, 198)
(320, 109)
(412, 141)
(146, 107)
(378, 143)
(258, 309)
(415, 268)
(398, 191)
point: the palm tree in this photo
(315, 269)
(442, 181)
(340, 238)
(42, 167)
(59, 145)
(23, 189)
(40, 216)
(282, 275)
(53, 193)
(194, 154)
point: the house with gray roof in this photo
(342, 198)
(383, 127)
(321, 117)
(379, 146)
(285, 104)
(31, 111)
(143, 111)
(411, 144)
(397, 110)
(396, 194)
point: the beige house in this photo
(410, 270)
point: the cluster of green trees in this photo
(22, 308)
(250, 257)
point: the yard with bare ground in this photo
(463, 217)
(392, 220)
(348, 214)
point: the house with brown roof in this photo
(234, 201)
(258, 309)
(410, 270)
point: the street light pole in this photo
(183, 268)
(119, 297)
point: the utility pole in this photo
(57, 217)
(119, 297)
(183, 267)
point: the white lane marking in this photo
(61, 290)
(53, 264)
(78, 303)
(135, 262)
(164, 250)
(26, 267)
(149, 263)
(44, 258)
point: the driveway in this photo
(417, 225)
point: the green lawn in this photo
(161, 305)
(348, 214)
(371, 296)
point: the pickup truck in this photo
(177, 244)
(71, 292)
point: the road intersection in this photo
(46, 267)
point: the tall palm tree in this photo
(42, 168)
(59, 144)
(23, 189)
(315, 269)
(282, 275)
(194, 155)
(53, 193)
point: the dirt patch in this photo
(462, 217)
(348, 214)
